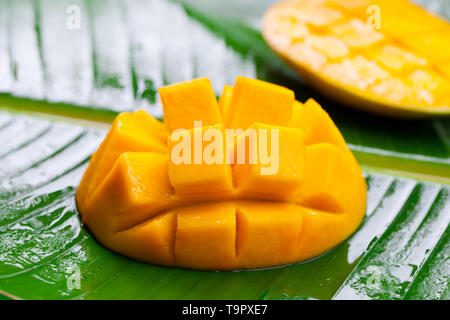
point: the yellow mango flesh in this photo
(364, 61)
(206, 169)
(258, 101)
(260, 169)
(205, 237)
(322, 187)
(266, 228)
(317, 125)
(187, 102)
(152, 241)
(138, 183)
(138, 132)
(158, 204)
(225, 100)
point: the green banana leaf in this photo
(115, 61)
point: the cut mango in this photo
(205, 237)
(258, 101)
(199, 161)
(249, 194)
(328, 170)
(225, 100)
(364, 55)
(265, 228)
(152, 241)
(135, 189)
(317, 124)
(129, 132)
(187, 102)
(273, 155)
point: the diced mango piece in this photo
(329, 182)
(199, 161)
(151, 241)
(129, 132)
(267, 233)
(259, 101)
(205, 236)
(319, 128)
(317, 124)
(187, 102)
(225, 100)
(136, 189)
(334, 228)
(356, 34)
(268, 155)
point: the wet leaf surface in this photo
(401, 246)
(115, 62)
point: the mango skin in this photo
(138, 203)
(360, 69)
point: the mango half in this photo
(281, 188)
(383, 56)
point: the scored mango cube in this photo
(152, 241)
(136, 189)
(317, 124)
(262, 230)
(205, 236)
(130, 132)
(186, 102)
(328, 177)
(259, 101)
(268, 155)
(199, 161)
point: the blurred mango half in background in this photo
(387, 57)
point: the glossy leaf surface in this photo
(115, 62)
